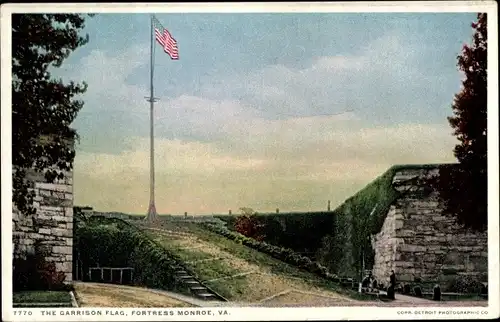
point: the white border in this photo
(255, 314)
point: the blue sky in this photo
(262, 110)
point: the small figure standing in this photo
(392, 279)
(391, 290)
(437, 293)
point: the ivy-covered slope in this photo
(355, 220)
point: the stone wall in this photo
(418, 241)
(51, 226)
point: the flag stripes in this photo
(165, 39)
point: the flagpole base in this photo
(152, 215)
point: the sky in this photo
(277, 110)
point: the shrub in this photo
(32, 272)
(464, 285)
(417, 291)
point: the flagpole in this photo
(152, 215)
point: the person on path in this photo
(393, 279)
(391, 291)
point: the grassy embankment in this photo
(215, 260)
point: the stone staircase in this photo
(196, 287)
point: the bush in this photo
(417, 291)
(32, 272)
(464, 285)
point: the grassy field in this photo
(41, 297)
(216, 260)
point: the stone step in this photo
(198, 289)
(206, 296)
(186, 277)
(181, 272)
(192, 282)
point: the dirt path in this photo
(109, 295)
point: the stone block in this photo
(63, 250)
(61, 267)
(413, 248)
(26, 241)
(68, 212)
(51, 209)
(46, 223)
(62, 219)
(62, 232)
(68, 241)
(68, 196)
(37, 236)
(53, 258)
(56, 202)
(69, 226)
(59, 218)
(25, 228)
(54, 187)
(44, 231)
(58, 194)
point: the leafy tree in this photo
(246, 211)
(42, 107)
(249, 225)
(464, 187)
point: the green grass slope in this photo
(237, 272)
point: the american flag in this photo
(165, 39)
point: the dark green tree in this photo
(464, 187)
(41, 105)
